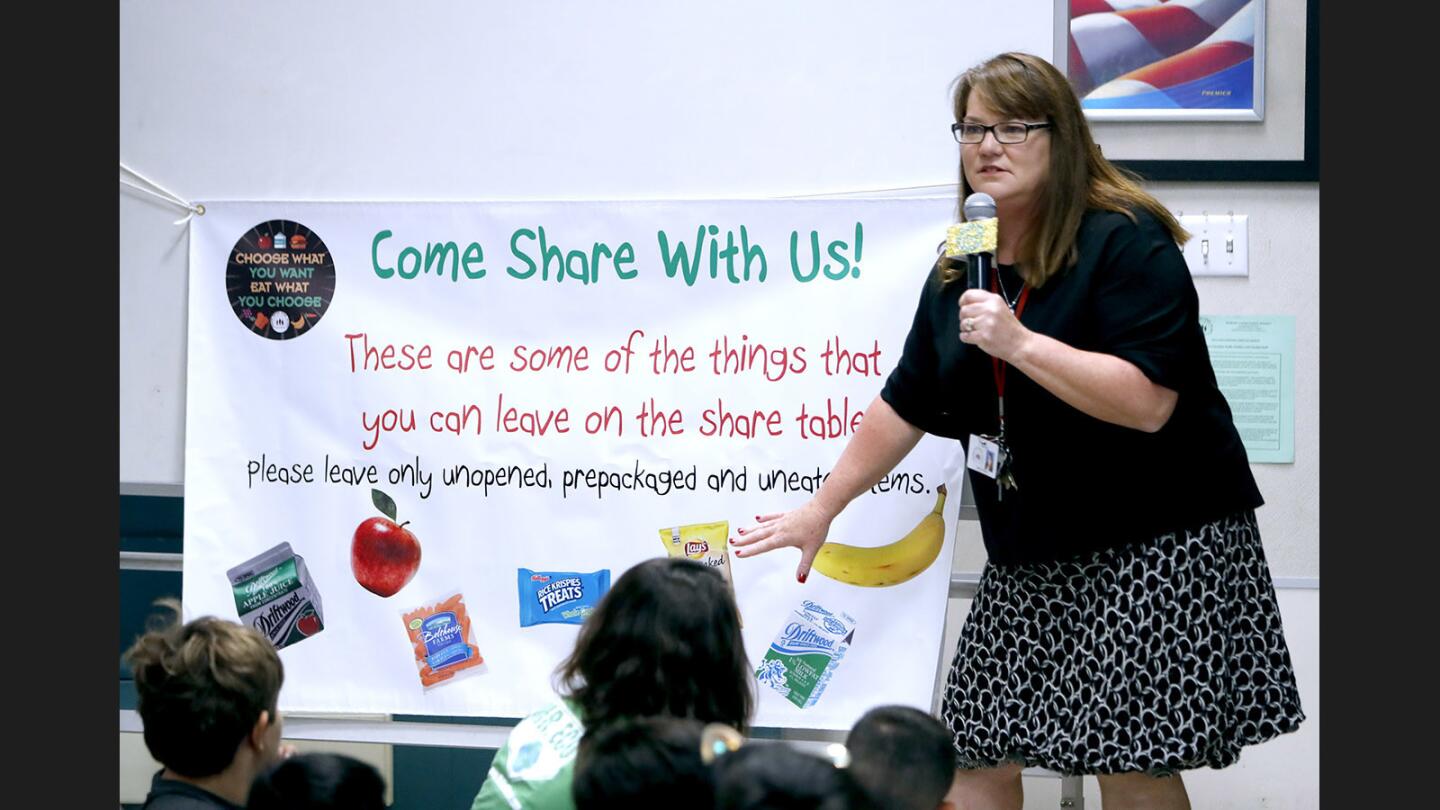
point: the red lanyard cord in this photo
(996, 363)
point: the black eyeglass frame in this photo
(956, 128)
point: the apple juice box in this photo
(274, 594)
(803, 657)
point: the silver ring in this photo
(968, 325)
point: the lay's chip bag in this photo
(707, 543)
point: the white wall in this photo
(373, 100)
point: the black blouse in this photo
(1084, 484)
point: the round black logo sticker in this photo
(280, 279)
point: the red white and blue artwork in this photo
(1163, 58)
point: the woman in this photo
(665, 641)
(1125, 623)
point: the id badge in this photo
(986, 455)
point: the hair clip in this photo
(718, 739)
(838, 755)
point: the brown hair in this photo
(1080, 178)
(664, 641)
(902, 757)
(202, 687)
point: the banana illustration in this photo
(878, 566)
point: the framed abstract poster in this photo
(1197, 90)
(1166, 60)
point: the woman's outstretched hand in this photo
(804, 528)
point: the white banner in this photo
(547, 386)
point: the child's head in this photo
(206, 689)
(664, 641)
(643, 762)
(775, 776)
(318, 782)
(902, 757)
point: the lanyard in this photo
(996, 364)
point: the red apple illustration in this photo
(309, 624)
(383, 555)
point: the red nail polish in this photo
(801, 578)
(741, 531)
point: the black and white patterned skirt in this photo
(1152, 657)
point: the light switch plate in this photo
(1218, 244)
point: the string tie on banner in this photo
(938, 188)
(163, 193)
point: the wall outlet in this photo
(1218, 244)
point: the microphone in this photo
(976, 239)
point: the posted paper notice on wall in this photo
(1254, 360)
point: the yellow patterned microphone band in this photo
(977, 236)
